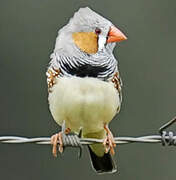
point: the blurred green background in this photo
(148, 68)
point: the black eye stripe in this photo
(97, 31)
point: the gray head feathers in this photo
(84, 20)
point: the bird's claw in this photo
(109, 142)
(54, 140)
(58, 138)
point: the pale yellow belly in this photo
(85, 103)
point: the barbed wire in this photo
(166, 138)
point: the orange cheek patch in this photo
(86, 41)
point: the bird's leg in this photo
(58, 138)
(109, 141)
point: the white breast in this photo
(85, 103)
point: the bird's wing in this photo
(56, 68)
(117, 81)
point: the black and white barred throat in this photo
(97, 66)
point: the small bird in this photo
(84, 84)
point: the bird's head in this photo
(89, 33)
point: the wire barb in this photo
(168, 138)
(166, 125)
(73, 141)
(168, 141)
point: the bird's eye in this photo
(97, 31)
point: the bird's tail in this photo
(102, 164)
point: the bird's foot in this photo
(109, 142)
(58, 138)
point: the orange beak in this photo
(115, 35)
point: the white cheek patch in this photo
(101, 42)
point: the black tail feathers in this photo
(104, 164)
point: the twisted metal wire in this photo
(165, 138)
(74, 140)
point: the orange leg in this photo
(54, 140)
(109, 141)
